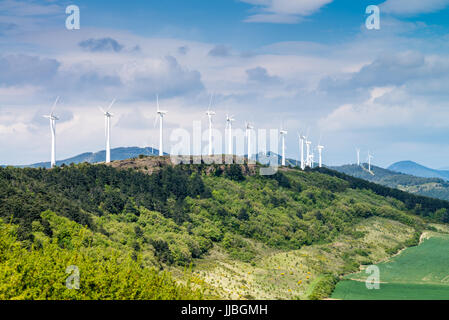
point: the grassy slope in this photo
(293, 274)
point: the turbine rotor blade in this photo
(54, 105)
(110, 106)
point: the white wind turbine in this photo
(229, 120)
(302, 138)
(210, 114)
(107, 125)
(161, 114)
(358, 157)
(320, 152)
(53, 119)
(312, 156)
(370, 156)
(283, 133)
(308, 144)
(249, 127)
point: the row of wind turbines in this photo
(307, 160)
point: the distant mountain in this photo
(122, 153)
(430, 187)
(413, 168)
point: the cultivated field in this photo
(420, 272)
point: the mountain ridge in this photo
(418, 170)
(120, 153)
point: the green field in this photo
(420, 273)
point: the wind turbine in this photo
(53, 119)
(283, 133)
(358, 157)
(107, 123)
(161, 114)
(210, 114)
(312, 156)
(249, 127)
(302, 138)
(370, 156)
(320, 150)
(308, 143)
(229, 120)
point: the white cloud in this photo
(413, 7)
(284, 11)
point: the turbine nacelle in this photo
(230, 118)
(51, 117)
(108, 114)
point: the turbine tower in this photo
(107, 123)
(283, 133)
(320, 151)
(161, 114)
(210, 114)
(301, 147)
(308, 143)
(312, 156)
(229, 120)
(370, 156)
(249, 127)
(358, 157)
(53, 120)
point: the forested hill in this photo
(151, 214)
(430, 187)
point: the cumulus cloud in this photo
(413, 7)
(220, 51)
(26, 69)
(166, 77)
(390, 69)
(134, 120)
(370, 114)
(260, 74)
(101, 45)
(284, 11)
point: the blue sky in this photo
(309, 64)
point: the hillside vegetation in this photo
(239, 231)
